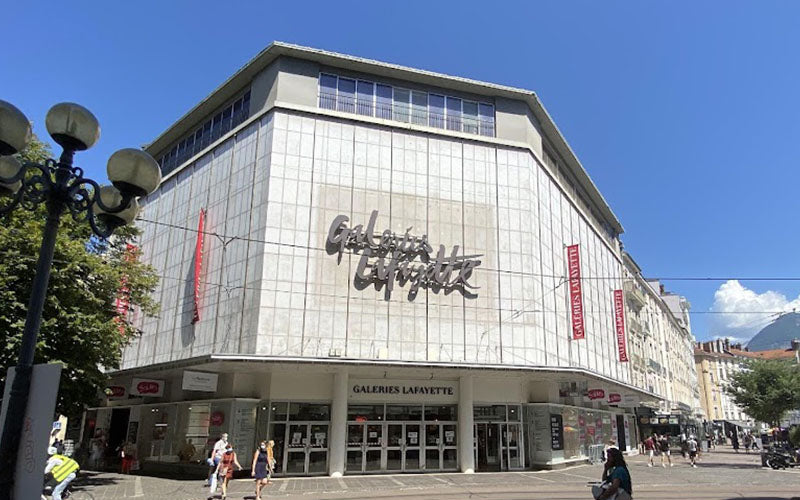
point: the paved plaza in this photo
(720, 475)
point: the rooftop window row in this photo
(220, 124)
(379, 100)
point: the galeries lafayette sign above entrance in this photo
(388, 258)
(388, 390)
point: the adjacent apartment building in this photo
(367, 263)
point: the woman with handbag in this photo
(261, 468)
(225, 468)
(616, 478)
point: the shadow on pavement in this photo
(91, 480)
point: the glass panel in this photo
(412, 435)
(489, 413)
(419, 108)
(278, 412)
(226, 120)
(317, 462)
(296, 462)
(308, 411)
(450, 435)
(319, 436)
(449, 412)
(354, 460)
(401, 104)
(374, 434)
(432, 435)
(383, 101)
(453, 113)
(412, 459)
(395, 435)
(362, 413)
(373, 460)
(400, 412)
(246, 104)
(470, 117)
(327, 91)
(365, 94)
(355, 435)
(450, 458)
(514, 413)
(436, 111)
(394, 459)
(297, 436)
(346, 97)
(277, 432)
(432, 459)
(486, 119)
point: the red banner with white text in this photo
(198, 264)
(575, 293)
(122, 304)
(619, 322)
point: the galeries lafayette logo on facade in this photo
(388, 258)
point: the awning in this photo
(738, 423)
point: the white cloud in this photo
(732, 299)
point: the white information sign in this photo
(32, 455)
(199, 381)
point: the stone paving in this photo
(719, 475)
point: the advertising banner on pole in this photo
(619, 322)
(32, 455)
(575, 292)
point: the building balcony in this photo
(635, 293)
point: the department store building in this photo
(366, 263)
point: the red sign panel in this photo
(115, 391)
(198, 264)
(147, 388)
(619, 321)
(122, 302)
(575, 293)
(596, 394)
(614, 397)
(217, 418)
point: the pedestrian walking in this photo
(650, 448)
(213, 461)
(63, 469)
(225, 468)
(663, 445)
(691, 446)
(271, 459)
(710, 441)
(682, 439)
(617, 482)
(262, 467)
(735, 441)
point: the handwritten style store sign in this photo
(390, 258)
(575, 292)
(619, 323)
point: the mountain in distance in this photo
(778, 334)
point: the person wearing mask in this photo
(663, 445)
(616, 478)
(63, 469)
(225, 468)
(261, 467)
(270, 459)
(691, 447)
(213, 460)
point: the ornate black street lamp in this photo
(62, 188)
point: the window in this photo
(401, 105)
(436, 111)
(419, 108)
(453, 113)
(470, 111)
(345, 100)
(383, 102)
(364, 96)
(486, 119)
(327, 91)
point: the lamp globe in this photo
(15, 129)
(134, 171)
(72, 126)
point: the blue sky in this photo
(685, 114)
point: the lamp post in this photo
(61, 187)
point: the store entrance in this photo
(401, 446)
(487, 439)
(306, 450)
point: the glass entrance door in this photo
(441, 447)
(487, 449)
(365, 446)
(402, 447)
(306, 448)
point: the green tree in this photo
(80, 325)
(766, 389)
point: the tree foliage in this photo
(766, 389)
(80, 328)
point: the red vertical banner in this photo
(619, 322)
(198, 264)
(575, 293)
(122, 302)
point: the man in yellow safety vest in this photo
(63, 469)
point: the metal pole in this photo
(18, 397)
